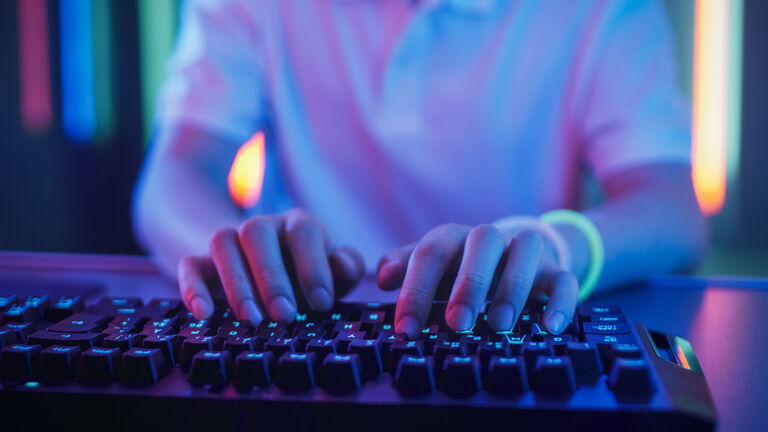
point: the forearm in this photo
(181, 198)
(650, 224)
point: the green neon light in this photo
(158, 23)
(735, 53)
(102, 64)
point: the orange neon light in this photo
(246, 176)
(710, 103)
(681, 357)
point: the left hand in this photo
(474, 254)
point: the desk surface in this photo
(725, 319)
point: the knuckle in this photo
(269, 278)
(529, 240)
(234, 281)
(516, 283)
(473, 281)
(222, 237)
(430, 250)
(254, 228)
(488, 235)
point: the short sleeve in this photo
(215, 73)
(633, 110)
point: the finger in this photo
(563, 290)
(260, 240)
(347, 267)
(523, 260)
(194, 292)
(237, 283)
(430, 259)
(308, 246)
(482, 252)
(392, 267)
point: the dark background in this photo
(64, 196)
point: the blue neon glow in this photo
(77, 88)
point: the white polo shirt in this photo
(386, 118)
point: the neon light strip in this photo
(681, 357)
(102, 67)
(158, 22)
(77, 92)
(34, 69)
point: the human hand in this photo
(257, 263)
(474, 254)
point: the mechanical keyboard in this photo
(152, 363)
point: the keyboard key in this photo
(21, 330)
(253, 369)
(142, 366)
(193, 345)
(123, 341)
(607, 318)
(305, 335)
(461, 376)
(322, 347)
(604, 342)
(57, 364)
(18, 362)
(619, 350)
(587, 311)
(266, 333)
(195, 332)
(6, 301)
(471, 341)
(553, 376)
(585, 361)
(98, 366)
(606, 329)
(121, 302)
(211, 368)
(370, 356)
(401, 348)
(341, 373)
(23, 313)
(445, 348)
(172, 306)
(296, 371)
(630, 375)
(489, 349)
(506, 376)
(48, 338)
(168, 344)
(558, 342)
(39, 303)
(533, 350)
(8, 337)
(80, 323)
(429, 340)
(344, 338)
(160, 326)
(236, 345)
(345, 326)
(280, 345)
(415, 376)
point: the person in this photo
(425, 137)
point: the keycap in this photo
(553, 376)
(341, 373)
(236, 345)
(124, 341)
(160, 326)
(39, 303)
(605, 329)
(471, 341)
(8, 337)
(18, 362)
(445, 348)
(604, 342)
(193, 345)
(630, 375)
(6, 300)
(607, 318)
(429, 340)
(173, 306)
(80, 323)
(63, 307)
(415, 376)
(82, 340)
(460, 376)
(557, 342)
(211, 367)
(296, 371)
(538, 332)
(344, 338)
(253, 369)
(589, 310)
(168, 344)
(188, 332)
(620, 350)
(370, 356)
(345, 326)
(533, 350)
(22, 330)
(99, 366)
(382, 329)
(585, 361)
(305, 335)
(489, 349)
(280, 345)
(270, 329)
(23, 313)
(370, 318)
(234, 332)
(506, 376)
(142, 366)
(387, 339)
(322, 347)
(57, 364)
(401, 348)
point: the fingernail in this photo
(200, 307)
(502, 317)
(556, 322)
(252, 312)
(408, 324)
(348, 262)
(282, 309)
(462, 318)
(322, 298)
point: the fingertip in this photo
(321, 299)
(390, 276)
(459, 318)
(407, 324)
(556, 322)
(252, 313)
(501, 317)
(201, 307)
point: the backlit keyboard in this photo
(604, 371)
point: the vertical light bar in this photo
(102, 67)
(34, 70)
(77, 92)
(158, 22)
(710, 82)
(735, 51)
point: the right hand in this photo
(255, 277)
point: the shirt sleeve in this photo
(215, 73)
(633, 111)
